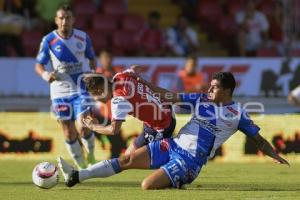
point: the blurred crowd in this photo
(287, 145)
(241, 27)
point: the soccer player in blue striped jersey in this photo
(67, 49)
(178, 160)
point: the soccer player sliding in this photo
(130, 96)
(178, 161)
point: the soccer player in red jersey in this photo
(129, 96)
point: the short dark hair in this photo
(65, 7)
(191, 56)
(92, 82)
(105, 51)
(226, 79)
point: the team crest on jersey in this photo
(229, 115)
(79, 45)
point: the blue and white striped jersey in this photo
(67, 57)
(211, 125)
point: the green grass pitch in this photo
(217, 180)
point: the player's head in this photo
(99, 87)
(190, 65)
(153, 19)
(182, 22)
(105, 58)
(250, 6)
(221, 87)
(64, 19)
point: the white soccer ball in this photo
(45, 175)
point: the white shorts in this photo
(296, 93)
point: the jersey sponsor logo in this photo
(206, 125)
(58, 48)
(69, 67)
(61, 108)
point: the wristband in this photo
(46, 76)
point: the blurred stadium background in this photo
(266, 73)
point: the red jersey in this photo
(135, 98)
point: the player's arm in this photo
(90, 54)
(112, 129)
(247, 126)
(165, 94)
(263, 145)
(42, 59)
(93, 64)
(120, 107)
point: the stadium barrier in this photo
(282, 130)
(255, 76)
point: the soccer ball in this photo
(45, 175)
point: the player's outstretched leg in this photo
(137, 160)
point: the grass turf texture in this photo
(216, 181)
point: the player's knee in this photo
(146, 185)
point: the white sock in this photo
(101, 169)
(75, 151)
(89, 143)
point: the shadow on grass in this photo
(120, 185)
(245, 187)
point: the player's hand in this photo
(52, 77)
(49, 76)
(89, 122)
(281, 160)
(136, 69)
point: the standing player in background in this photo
(129, 96)
(67, 48)
(178, 160)
(106, 66)
(189, 79)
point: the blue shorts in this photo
(69, 108)
(178, 164)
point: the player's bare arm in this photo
(47, 76)
(267, 149)
(112, 129)
(93, 64)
